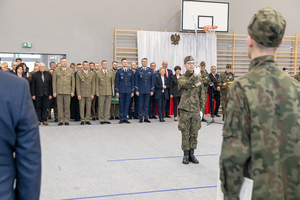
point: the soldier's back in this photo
(267, 108)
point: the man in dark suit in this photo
(161, 92)
(20, 154)
(214, 92)
(13, 66)
(168, 74)
(144, 85)
(153, 101)
(41, 92)
(133, 99)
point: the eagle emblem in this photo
(175, 38)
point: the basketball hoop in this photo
(210, 30)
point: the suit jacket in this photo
(20, 135)
(214, 82)
(170, 74)
(85, 84)
(40, 88)
(12, 71)
(63, 81)
(174, 86)
(144, 80)
(159, 87)
(105, 83)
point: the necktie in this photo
(105, 72)
(166, 73)
(216, 78)
(43, 76)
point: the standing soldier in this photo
(85, 87)
(206, 80)
(261, 135)
(224, 78)
(94, 107)
(63, 86)
(297, 76)
(114, 109)
(191, 104)
(144, 87)
(104, 89)
(124, 89)
(134, 99)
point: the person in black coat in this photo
(168, 74)
(161, 92)
(213, 91)
(20, 157)
(174, 93)
(41, 92)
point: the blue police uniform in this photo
(124, 85)
(144, 84)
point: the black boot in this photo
(192, 158)
(186, 157)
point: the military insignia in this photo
(175, 39)
(229, 77)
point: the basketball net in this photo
(210, 30)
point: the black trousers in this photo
(167, 108)
(41, 106)
(217, 100)
(176, 100)
(161, 106)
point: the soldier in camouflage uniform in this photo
(261, 135)
(225, 77)
(206, 80)
(191, 104)
(297, 76)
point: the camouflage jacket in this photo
(205, 78)
(261, 135)
(225, 78)
(192, 93)
(297, 77)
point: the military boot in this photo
(186, 157)
(192, 158)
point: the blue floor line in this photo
(153, 158)
(147, 192)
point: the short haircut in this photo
(115, 62)
(91, 63)
(52, 62)
(96, 63)
(144, 59)
(63, 59)
(123, 59)
(18, 59)
(85, 62)
(162, 68)
(72, 64)
(103, 61)
(177, 68)
(58, 64)
(213, 67)
(78, 64)
(153, 63)
(20, 66)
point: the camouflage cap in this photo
(267, 27)
(202, 64)
(188, 58)
(228, 66)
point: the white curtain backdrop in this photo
(157, 47)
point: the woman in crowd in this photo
(19, 72)
(161, 93)
(25, 70)
(174, 93)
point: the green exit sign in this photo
(27, 45)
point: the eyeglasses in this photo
(190, 63)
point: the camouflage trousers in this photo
(224, 101)
(189, 125)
